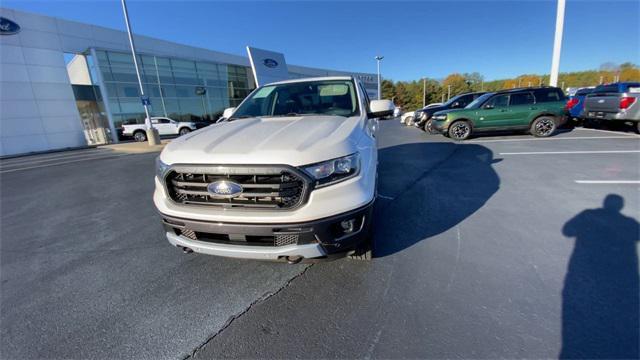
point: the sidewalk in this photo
(135, 147)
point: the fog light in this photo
(348, 225)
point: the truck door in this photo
(520, 107)
(165, 127)
(494, 112)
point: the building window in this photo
(183, 90)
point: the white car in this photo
(407, 118)
(290, 175)
(164, 125)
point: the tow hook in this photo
(294, 259)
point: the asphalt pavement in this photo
(499, 247)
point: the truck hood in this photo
(296, 141)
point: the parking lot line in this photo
(29, 161)
(608, 181)
(607, 131)
(571, 152)
(63, 162)
(556, 139)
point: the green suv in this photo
(538, 110)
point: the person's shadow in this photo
(600, 299)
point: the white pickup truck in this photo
(291, 174)
(164, 125)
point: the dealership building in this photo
(66, 84)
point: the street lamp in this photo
(152, 133)
(557, 44)
(378, 59)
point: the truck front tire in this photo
(364, 250)
(140, 136)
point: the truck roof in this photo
(321, 78)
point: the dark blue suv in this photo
(575, 104)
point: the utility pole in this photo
(152, 133)
(562, 86)
(424, 92)
(448, 92)
(557, 44)
(378, 59)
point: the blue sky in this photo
(421, 38)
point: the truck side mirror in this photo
(380, 108)
(228, 112)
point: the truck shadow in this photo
(600, 298)
(427, 188)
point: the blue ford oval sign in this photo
(270, 63)
(224, 189)
(8, 27)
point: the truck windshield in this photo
(478, 101)
(329, 97)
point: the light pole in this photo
(378, 59)
(424, 92)
(152, 133)
(557, 44)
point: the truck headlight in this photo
(335, 170)
(161, 169)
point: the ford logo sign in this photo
(270, 63)
(601, 101)
(224, 189)
(8, 27)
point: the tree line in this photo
(409, 94)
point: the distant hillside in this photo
(408, 94)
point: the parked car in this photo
(539, 110)
(304, 189)
(165, 126)
(424, 115)
(407, 118)
(397, 112)
(613, 103)
(575, 105)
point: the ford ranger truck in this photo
(290, 175)
(618, 102)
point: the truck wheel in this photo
(459, 130)
(409, 121)
(184, 131)
(543, 126)
(365, 250)
(428, 127)
(140, 136)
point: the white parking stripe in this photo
(608, 181)
(571, 152)
(56, 155)
(557, 139)
(608, 131)
(64, 162)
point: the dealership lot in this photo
(473, 242)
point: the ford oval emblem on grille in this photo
(270, 63)
(224, 189)
(600, 101)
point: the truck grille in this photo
(272, 188)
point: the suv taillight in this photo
(626, 101)
(571, 103)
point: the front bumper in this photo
(440, 126)
(313, 239)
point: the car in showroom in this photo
(290, 175)
(423, 116)
(538, 110)
(164, 125)
(613, 103)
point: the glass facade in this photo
(181, 89)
